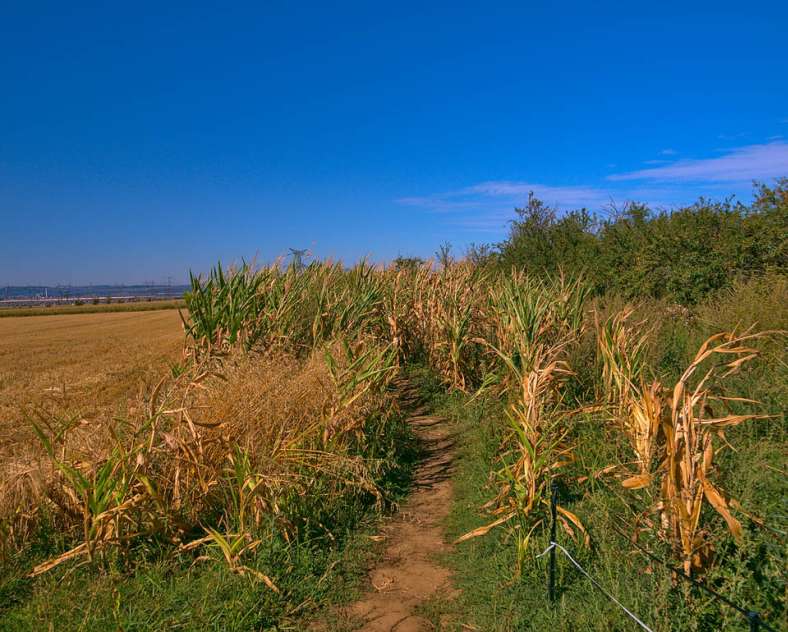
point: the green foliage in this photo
(682, 255)
(267, 307)
(541, 242)
(408, 263)
(443, 255)
(492, 597)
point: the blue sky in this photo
(140, 140)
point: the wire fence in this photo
(554, 545)
(752, 617)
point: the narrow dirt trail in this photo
(408, 573)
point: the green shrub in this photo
(683, 255)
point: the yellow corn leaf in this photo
(195, 543)
(263, 578)
(50, 564)
(569, 530)
(637, 482)
(737, 506)
(733, 420)
(719, 503)
(485, 529)
(576, 521)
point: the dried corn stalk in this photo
(689, 448)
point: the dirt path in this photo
(408, 574)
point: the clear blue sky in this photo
(138, 140)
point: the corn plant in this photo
(454, 313)
(222, 308)
(533, 329)
(243, 485)
(637, 404)
(675, 427)
(232, 547)
(353, 376)
(102, 496)
(689, 446)
(621, 350)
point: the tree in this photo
(443, 255)
(407, 263)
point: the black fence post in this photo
(553, 501)
(755, 621)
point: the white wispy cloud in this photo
(500, 196)
(737, 136)
(668, 152)
(487, 206)
(555, 195)
(753, 162)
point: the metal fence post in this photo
(553, 501)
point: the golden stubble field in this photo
(88, 363)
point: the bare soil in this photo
(409, 573)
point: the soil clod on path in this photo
(409, 574)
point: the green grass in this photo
(182, 594)
(91, 308)
(493, 598)
(153, 587)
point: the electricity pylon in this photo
(297, 255)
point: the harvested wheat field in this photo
(87, 361)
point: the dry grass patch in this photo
(88, 360)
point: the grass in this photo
(248, 469)
(495, 598)
(93, 308)
(179, 594)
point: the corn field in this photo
(288, 395)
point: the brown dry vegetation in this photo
(280, 420)
(98, 358)
(86, 366)
(154, 455)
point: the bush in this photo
(683, 256)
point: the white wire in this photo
(596, 583)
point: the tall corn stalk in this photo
(676, 428)
(222, 308)
(534, 326)
(637, 403)
(354, 374)
(453, 311)
(689, 447)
